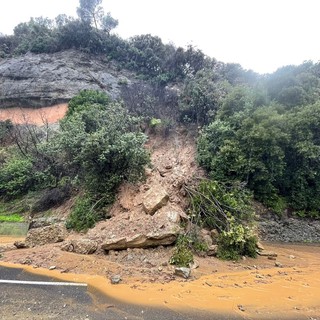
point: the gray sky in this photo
(261, 35)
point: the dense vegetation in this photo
(97, 147)
(259, 135)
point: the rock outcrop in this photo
(46, 79)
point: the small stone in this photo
(278, 264)
(52, 267)
(194, 264)
(20, 245)
(115, 279)
(241, 307)
(267, 253)
(212, 251)
(291, 256)
(160, 269)
(214, 233)
(259, 246)
(208, 284)
(182, 272)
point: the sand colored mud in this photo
(252, 289)
(9, 240)
(38, 116)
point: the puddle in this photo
(13, 229)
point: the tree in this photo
(200, 97)
(90, 12)
(108, 23)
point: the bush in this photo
(213, 202)
(182, 255)
(16, 177)
(82, 216)
(228, 209)
(237, 241)
(86, 99)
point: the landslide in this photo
(251, 288)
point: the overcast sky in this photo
(261, 35)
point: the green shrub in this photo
(213, 202)
(85, 99)
(16, 177)
(182, 255)
(82, 216)
(237, 241)
(103, 148)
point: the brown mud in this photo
(249, 289)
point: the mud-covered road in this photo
(38, 297)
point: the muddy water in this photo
(38, 116)
(257, 290)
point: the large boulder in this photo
(154, 199)
(44, 235)
(38, 80)
(138, 230)
(82, 246)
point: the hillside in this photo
(180, 177)
(146, 276)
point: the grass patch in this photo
(11, 218)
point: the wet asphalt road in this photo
(35, 302)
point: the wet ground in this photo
(285, 288)
(44, 301)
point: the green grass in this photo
(11, 218)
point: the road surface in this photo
(44, 301)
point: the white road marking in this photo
(44, 283)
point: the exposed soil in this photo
(250, 288)
(37, 116)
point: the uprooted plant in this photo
(226, 208)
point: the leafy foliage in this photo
(97, 147)
(85, 99)
(228, 209)
(200, 98)
(82, 216)
(213, 203)
(237, 241)
(182, 255)
(16, 177)
(101, 145)
(273, 150)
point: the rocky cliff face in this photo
(47, 79)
